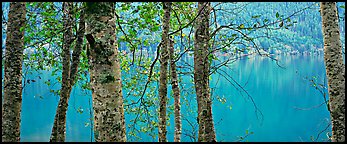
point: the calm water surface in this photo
(277, 92)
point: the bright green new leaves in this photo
(43, 40)
(43, 36)
(138, 27)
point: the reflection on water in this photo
(276, 92)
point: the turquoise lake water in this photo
(277, 92)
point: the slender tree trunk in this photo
(59, 125)
(69, 73)
(164, 56)
(109, 123)
(77, 51)
(176, 93)
(335, 69)
(209, 128)
(201, 74)
(11, 108)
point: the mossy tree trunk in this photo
(335, 69)
(69, 73)
(11, 108)
(176, 93)
(201, 74)
(105, 74)
(164, 56)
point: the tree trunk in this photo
(59, 126)
(163, 73)
(69, 74)
(78, 49)
(109, 123)
(176, 93)
(201, 74)
(335, 69)
(12, 103)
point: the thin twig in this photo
(149, 76)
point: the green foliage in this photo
(221, 99)
(43, 41)
(243, 138)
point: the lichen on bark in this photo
(201, 74)
(335, 69)
(105, 75)
(11, 108)
(164, 55)
(176, 93)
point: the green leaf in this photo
(210, 57)
(242, 26)
(277, 15)
(21, 29)
(281, 24)
(155, 28)
(48, 83)
(146, 43)
(256, 16)
(342, 6)
(26, 39)
(230, 107)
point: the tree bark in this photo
(163, 73)
(176, 93)
(335, 69)
(59, 125)
(109, 123)
(78, 49)
(11, 108)
(201, 74)
(69, 73)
